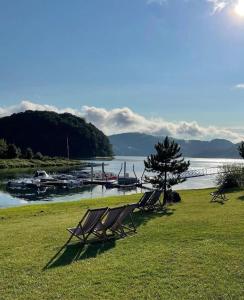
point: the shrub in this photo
(19, 152)
(13, 151)
(29, 153)
(38, 155)
(173, 197)
(231, 176)
(3, 148)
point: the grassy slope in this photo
(195, 251)
(31, 163)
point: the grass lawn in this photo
(193, 251)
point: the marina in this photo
(120, 176)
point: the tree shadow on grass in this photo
(68, 254)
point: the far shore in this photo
(35, 163)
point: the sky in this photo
(156, 66)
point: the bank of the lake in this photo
(36, 163)
(193, 251)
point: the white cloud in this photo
(239, 86)
(125, 120)
(121, 120)
(27, 105)
(160, 2)
(217, 5)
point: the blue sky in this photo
(173, 60)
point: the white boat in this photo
(42, 175)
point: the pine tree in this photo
(168, 165)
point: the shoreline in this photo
(7, 164)
(90, 201)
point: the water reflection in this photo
(48, 193)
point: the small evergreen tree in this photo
(29, 153)
(168, 165)
(3, 148)
(12, 151)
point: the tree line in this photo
(10, 151)
(52, 133)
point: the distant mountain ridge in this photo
(140, 144)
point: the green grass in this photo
(32, 163)
(194, 251)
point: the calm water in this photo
(8, 200)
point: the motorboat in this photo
(42, 176)
(22, 185)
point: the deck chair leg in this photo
(132, 223)
(69, 239)
(120, 231)
(102, 235)
(123, 232)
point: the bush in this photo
(173, 197)
(29, 153)
(13, 151)
(231, 176)
(3, 148)
(19, 152)
(38, 155)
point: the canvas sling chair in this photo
(122, 228)
(142, 202)
(218, 195)
(152, 202)
(108, 220)
(87, 224)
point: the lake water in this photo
(96, 191)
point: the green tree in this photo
(168, 165)
(29, 153)
(38, 155)
(13, 151)
(241, 149)
(3, 148)
(19, 154)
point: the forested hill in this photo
(139, 144)
(47, 133)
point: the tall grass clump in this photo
(231, 176)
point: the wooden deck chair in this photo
(154, 201)
(218, 195)
(144, 199)
(109, 218)
(119, 226)
(87, 224)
